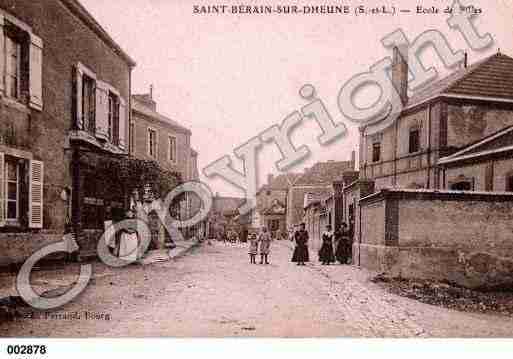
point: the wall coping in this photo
(445, 195)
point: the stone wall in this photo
(460, 237)
(21, 245)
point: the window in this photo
(152, 143)
(13, 67)
(414, 143)
(21, 55)
(509, 183)
(172, 148)
(376, 152)
(88, 104)
(21, 191)
(12, 189)
(113, 119)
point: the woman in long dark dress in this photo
(341, 238)
(326, 256)
(301, 255)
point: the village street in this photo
(214, 292)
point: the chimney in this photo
(151, 92)
(353, 159)
(400, 72)
(270, 178)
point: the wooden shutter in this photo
(2, 56)
(123, 118)
(2, 190)
(36, 194)
(36, 72)
(102, 110)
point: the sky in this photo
(229, 77)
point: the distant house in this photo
(316, 181)
(224, 216)
(271, 205)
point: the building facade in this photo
(155, 137)
(316, 181)
(435, 188)
(271, 207)
(64, 107)
(468, 106)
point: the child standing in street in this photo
(265, 245)
(253, 248)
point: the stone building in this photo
(441, 176)
(64, 108)
(224, 216)
(472, 104)
(271, 199)
(485, 165)
(158, 138)
(317, 181)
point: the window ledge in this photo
(9, 223)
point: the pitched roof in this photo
(324, 173)
(141, 108)
(490, 77)
(500, 142)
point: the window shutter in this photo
(2, 56)
(2, 190)
(78, 97)
(123, 118)
(36, 72)
(36, 194)
(102, 110)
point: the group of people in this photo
(260, 244)
(336, 246)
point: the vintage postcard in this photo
(269, 169)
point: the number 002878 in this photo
(26, 349)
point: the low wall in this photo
(461, 237)
(15, 248)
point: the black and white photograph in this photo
(263, 169)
